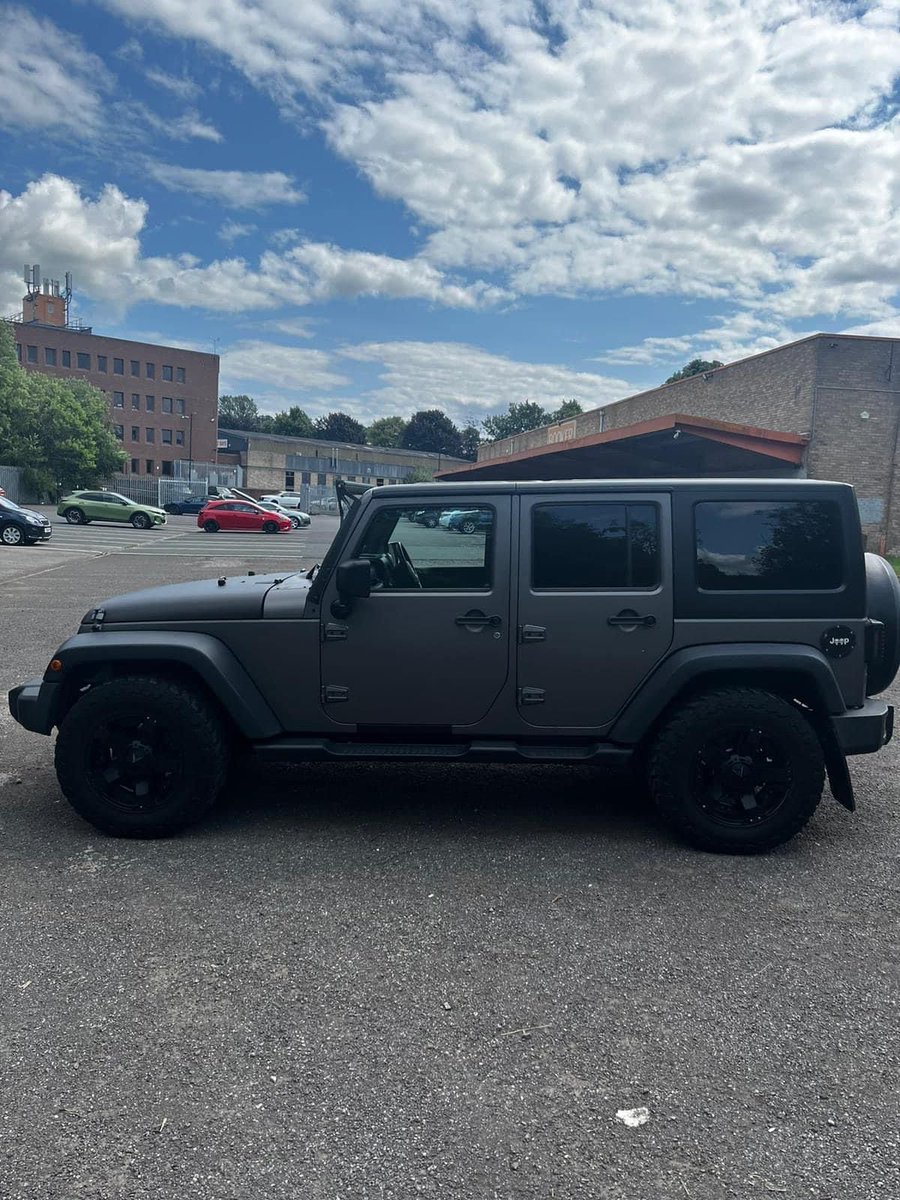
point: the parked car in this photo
(80, 508)
(190, 505)
(285, 499)
(429, 517)
(241, 516)
(297, 518)
(470, 520)
(21, 526)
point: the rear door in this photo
(595, 603)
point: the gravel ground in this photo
(389, 981)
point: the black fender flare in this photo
(206, 656)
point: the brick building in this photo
(163, 401)
(827, 407)
(272, 463)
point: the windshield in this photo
(9, 505)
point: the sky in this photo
(377, 206)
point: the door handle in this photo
(478, 620)
(630, 619)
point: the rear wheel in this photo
(174, 510)
(141, 756)
(270, 527)
(12, 535)
(738, 771)
(467, 526)
(211, 526)
(74, 516)
(141, 521)
(430, 522)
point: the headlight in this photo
(34, 520)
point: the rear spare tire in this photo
(737, 770)
(882, 604)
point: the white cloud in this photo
(236, 189)
(48, 80)
(230, 230)
(272, 365)
(468, 383)
(178, 85)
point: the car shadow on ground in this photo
(411, 797)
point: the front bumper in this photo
(864, 730)
(38, 533)
(35, 705)
(159, 519)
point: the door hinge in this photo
(334, 633)
(532, 633)
(529, 695)
(331, 694)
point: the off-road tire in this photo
(270, 527)
(12, 535)
(75, 516)
(141, 521)
(194, 742)
(210, 526)
(679, 758)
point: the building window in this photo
(167, 404)
(50, 356)
(135, 400)
(150, 433)
(83, 360)
(379, 483)
(118, 366)
(595, 545)
(747, 546)
(179, 407)
(179, 374)
(320, 480)
(151, 370)
(167, 437)
(304, 477)
(118, 399)
(32, 354)
(102, 363)
(166, 467)
(151, 403)
(289, 481)
(119, 431)
(351, 479)
(135, 466)
(135, 433)
(135, 367)
(167, 374)
(67, 358)
(179, 437)
(150, 466)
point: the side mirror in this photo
(354, 578)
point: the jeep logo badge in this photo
(838, 641)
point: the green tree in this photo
(386, 431)
(238, 412)
(568, 409)
(419, 475)
(13, 391)
(697, 366)
(339, 427)
(432, 430)
(470, 439)
(293, 423)
(64, 435)
(519, 418)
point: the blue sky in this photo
(379, 207)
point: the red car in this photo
(240, 516)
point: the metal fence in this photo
(165, 489)
(12, 482)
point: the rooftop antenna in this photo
(67, 294)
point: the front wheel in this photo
(141, 521)
(270, 527)
(467, 527)
(12, 535)
(210, 526)
(430, 522)
(74, 516)
(141, 756)
(737, 771)
(296, 522)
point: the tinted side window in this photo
(595, 546)
(778, 545)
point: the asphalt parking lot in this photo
(394, 981)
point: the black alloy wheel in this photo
(12, 535)
(141, 521)
(74, 516)
(270, 527)
(210, 526)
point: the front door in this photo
(595, 603)
(430, 645)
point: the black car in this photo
(188, 504)
(21, 526)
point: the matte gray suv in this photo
(723, 637)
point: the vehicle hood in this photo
(239, 597)
(29, 512)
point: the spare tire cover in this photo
(883, 604)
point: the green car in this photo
(81, 507)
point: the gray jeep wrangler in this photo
(725, 638)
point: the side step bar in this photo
(322, 749)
